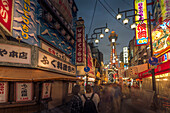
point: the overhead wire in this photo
(93, 16)
(112, 14)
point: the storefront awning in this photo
(161, 69)
(25, 74)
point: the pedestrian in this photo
(96, 88)
(90, 101)
(107, 99)
(117, 98)
(76, 102)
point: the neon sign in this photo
(161, 37)
(141, 29)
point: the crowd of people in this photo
(96, 99)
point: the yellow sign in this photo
(141, 29)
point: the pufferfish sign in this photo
(161, 38)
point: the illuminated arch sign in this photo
(141, 29)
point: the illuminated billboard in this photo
(141, 29)
(125, 55)
(161, 38)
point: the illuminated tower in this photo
(113, 56)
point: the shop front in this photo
(162, 76)
(31, 78)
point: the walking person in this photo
(90, 101)
(96, 88)
(107, 99)
(76, 102)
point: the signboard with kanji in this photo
(79, 45)
(3, 92)
(50, 62)
(141, 29)
(6, 15)
(56, 52)
(15, 54)
(25, 21)
(46, 90)
(24, 91)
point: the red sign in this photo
(6, 15)
(79, 45)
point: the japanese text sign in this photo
(48, 61)
(24, 91)
(141, 29)
(79, 44)
(15, 54)
(125, 55)
(25, 21)
(46, 90)
(6, 15)
(55, 52)
(3, 92)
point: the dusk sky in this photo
(101, 17)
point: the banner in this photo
(79, 45)
(6, 15)
(141, 29)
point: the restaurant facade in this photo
(37, 54)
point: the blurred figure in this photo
(117, 98)
(107, 99)
(96, 88)
(90, 100)
(76, 102)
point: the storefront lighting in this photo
(119, 16)
(102, 35)
(125, 21)
(165, 79)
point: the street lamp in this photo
(133, 26)
(125, 21)
(150, 36)
(101, 36)
(119, 16)
(98, 31)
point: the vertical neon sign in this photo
(141, 29)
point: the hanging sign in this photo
(24, 91)
(79, 45)
(141, 29)
(6, 15)
(46, 90)
(3, 92)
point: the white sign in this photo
(55, 52)
(69, 88)
(15, 54)
(46, 90)
(125, 55)
(48, 61)
(24, 91)
(3, 92)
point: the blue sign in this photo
(87, 69)
(153, 61)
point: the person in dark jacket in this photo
(76, 102)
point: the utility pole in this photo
(86, 58)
